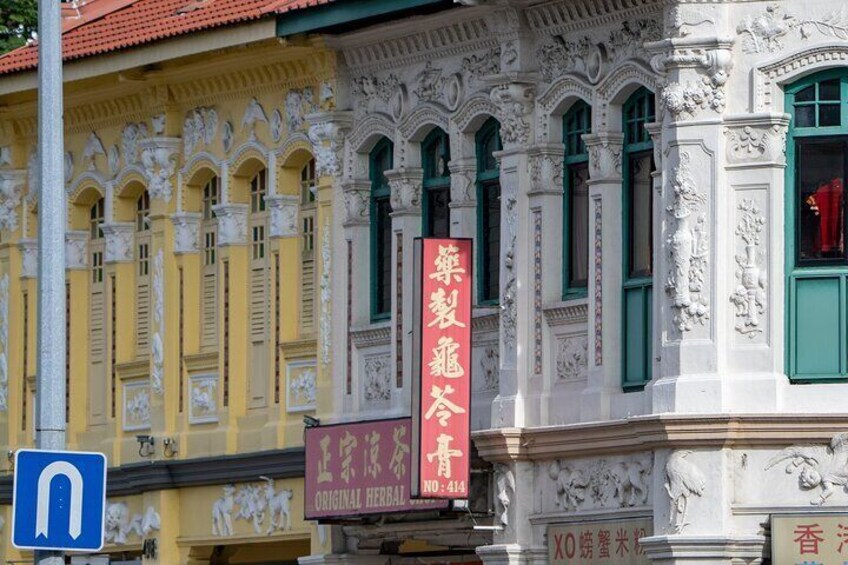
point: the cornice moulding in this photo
(656, 432)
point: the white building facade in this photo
(655, 192)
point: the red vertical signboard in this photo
(442, 402)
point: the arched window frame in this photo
(435, 155)
(380, 160)
(576, 122)
(488, 141)
(637, 293)
(816, 304)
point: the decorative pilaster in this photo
(119, 242)
(186, 232)
(605, 277)
(76, 250)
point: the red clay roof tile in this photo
(103, 26)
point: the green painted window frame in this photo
(637, 111)
(487, 180)
(799, 276)
(576, 122)
(432, 181)
(380, 194)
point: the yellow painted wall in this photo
(229, 82)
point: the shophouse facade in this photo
(196, 252)
(654, 191)
(655, 196)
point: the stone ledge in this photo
(137, 478)
(643, 433)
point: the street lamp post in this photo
(50, 381)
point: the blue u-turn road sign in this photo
(59, 500)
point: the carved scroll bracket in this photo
(326, 132)
(406, 185)
(604, 155)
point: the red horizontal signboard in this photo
(360, 468)
(443, 360)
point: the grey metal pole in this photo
(50, 381)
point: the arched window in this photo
(575, 225)
(488, 141)
(638, 164)
(816, 258)
(96, 218)
(436, 205)
(307, 265)
(381, 160)
(209, 270)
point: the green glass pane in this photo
(829, 115)
(818, 328)
(805, 116)
(829, 90)
(806, 95)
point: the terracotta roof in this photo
(102, 26)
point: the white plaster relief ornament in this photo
(599, 484)
(572, 358)
(822, 467)
(93, 148)
(750, 294)
(254, 114)
(327, 143)
(119, 242)
(749, 143)
(4, 343)
(377, 382)
(119, 523)
(76, 249)
(505, 490)
(283, 212)
(765, 32)
(683, 480)
(253, 503)
(11, 194)
(151, 521)
(186, 233)
(515, 103)
(326, 294)
(159, 164)
(199, 129)
(157, 372)
(131, 135)
(227, 136)
(688, 249)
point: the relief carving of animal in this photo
(570, 485)
(818, 466)
(222, 513)
(630, 480)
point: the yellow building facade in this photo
(198, 282)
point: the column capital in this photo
(406, 185)
(283, 211)
(29, 257)
(232, 224)
(463, 183)
(76, 250)
(119, 242)
(546, 169)
(326, 132)
(515, 95)
(604, 155)
(186, 232)
(356, 200)
(159, 160)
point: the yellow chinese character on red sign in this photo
(443, 307)
(442, 408)
(444, 454)
(445, 361)
(401, 449)
(447, 265)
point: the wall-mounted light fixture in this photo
(169, 446)
(311, 422)
(146, 445)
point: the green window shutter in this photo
(381, 160)
(488, 141)
(637, 292)
(575, 123)
(816, 279)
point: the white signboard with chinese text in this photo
(815, 538)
